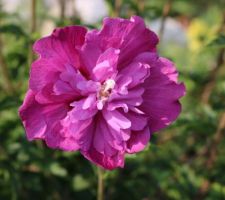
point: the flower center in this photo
(105, 92)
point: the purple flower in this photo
(102, 92)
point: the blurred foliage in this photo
(173, 167)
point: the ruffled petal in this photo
(107, 162)
(32, 118)
(137, 71)
(84, 109)
(43, 122)
(106, 65)
(90, 53)
(132, 98)
(130, 36)
(102, 150)
(62, 44)
(138, 140)
(162, 92)
(56, 52)
(138, 121)
(116, 120)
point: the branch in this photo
(33, 22)
(166, 10)
(62, 9)
(210, 152)
(141, 6)
(117, 9)
(207, 91)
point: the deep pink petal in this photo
(56, 52)
(100, 139)
(132, 98)
(138, 121)
(138, 140)
(32, 118)
(77, 132)
(130, 36)
(161, 96)
(47, 95)
(43, 122)
(90, 53)
(107, 162)
(62, 44)
(116, 120)
(137, 71)
(83, 109)
(101, 150)
(106, 65)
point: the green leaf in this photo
(8, 102)
(218, 41)
(58, 170)
(12, 29)
(79, 183)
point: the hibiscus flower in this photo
(102, 92)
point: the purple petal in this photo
(106, 65)
(90, 53)
(130, 36)
(32, 118)
(61, 44)
(43, 122)
(161, 96)
(138, 121)
(116, 120)
(137, 71)
(56, 52)
(138, 141)
(107, 162)
(83, 109)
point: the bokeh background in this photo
(183, 162)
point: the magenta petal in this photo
(61, 44)
(130, 36)
(137, 71)
(114, 105)
(32, 118)
(138, 140)
(116, 120)
(87, 87)
(83, 109)
(161, 96)
(62, 87)
(90, 53)
(47, 95)
(43, 122)
(54, 139)
(138, 121)
(107, 162)
(106, 65)
(76, 132)
(100, 139)
(132, 98)
(43, 72)
(56, 52)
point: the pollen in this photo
(105, 92)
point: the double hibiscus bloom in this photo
(102, 92)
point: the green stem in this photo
(100, 184)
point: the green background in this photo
(186, 161)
